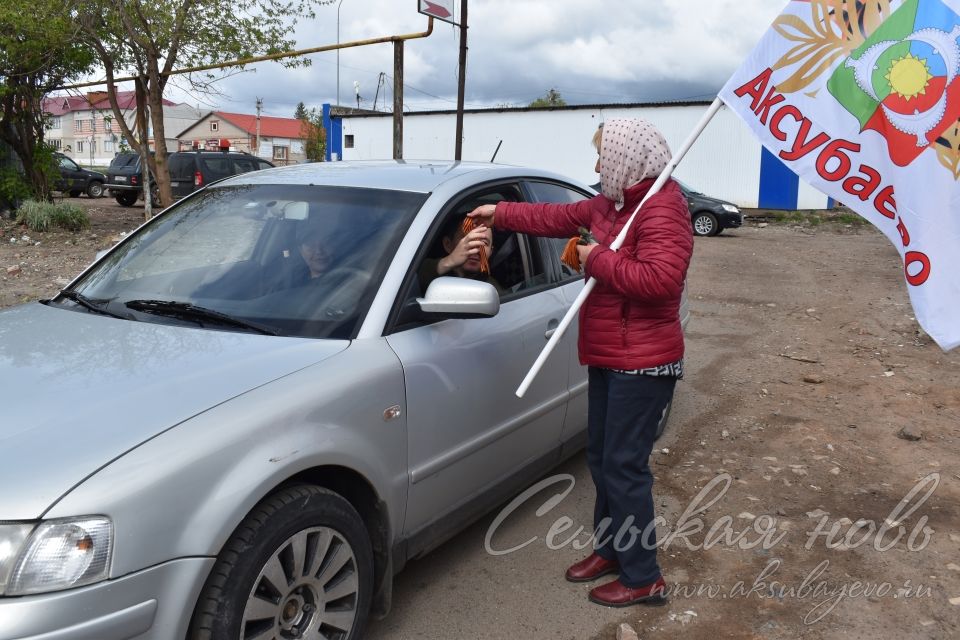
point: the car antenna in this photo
(497, 150)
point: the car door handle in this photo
(551, 328)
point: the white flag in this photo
(862, 100)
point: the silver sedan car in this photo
(212, 434)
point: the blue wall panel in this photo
(779, 186)
(334, 129)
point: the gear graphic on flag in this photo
(919, 123)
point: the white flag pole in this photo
(617, 243)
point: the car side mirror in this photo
(460, 298)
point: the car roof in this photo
(420, 176)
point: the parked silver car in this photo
(198, 441)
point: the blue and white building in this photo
(726, 162)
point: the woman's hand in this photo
(485, 214)
(468, 247)
(583, 250)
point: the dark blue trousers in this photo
(623, 412)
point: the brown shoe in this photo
(591, 568)
(616, 594)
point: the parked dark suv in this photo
(189, 171)
(124, 179)
(75, 180)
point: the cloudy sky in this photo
(591, 52)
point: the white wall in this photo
(724, 162)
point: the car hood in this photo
(78, 390)
(699, 197)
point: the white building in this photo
(726, 161)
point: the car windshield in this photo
(285, 259)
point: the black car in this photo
(124, 178)
(189, 171)
(709, 215)
(75, 180)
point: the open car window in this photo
(514, 267)
(517, 267)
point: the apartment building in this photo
(84, 127)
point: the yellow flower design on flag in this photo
(909, 76)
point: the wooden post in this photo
(398, 99)
(462, 80)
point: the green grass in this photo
(812, 218)
(42, 216)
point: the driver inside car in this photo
(462, 255)
(312, 246)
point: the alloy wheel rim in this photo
(308, 589)
(703, 225)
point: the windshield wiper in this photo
(90, 304)
(189, 311)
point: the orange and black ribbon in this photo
(469, 224)
(570, 256)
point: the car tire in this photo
(705, 224)
(95, 189)
(664, 418)
(126, 198)
(313, 544)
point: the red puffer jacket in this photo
(631, 320)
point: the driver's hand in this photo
(470, 245)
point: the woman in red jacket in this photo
(630, 340)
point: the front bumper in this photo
(729, 220)
(153, 604)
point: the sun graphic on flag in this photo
(908, 76)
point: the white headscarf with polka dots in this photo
(631, 150)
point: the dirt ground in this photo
(36, 265)
(812, 405)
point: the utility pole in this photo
(259, 108)
(338, 52)
(398, 99)
(458, 152)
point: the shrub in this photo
(13, 189)
(41, 216)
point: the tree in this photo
(313, 134)
(551, 98)
(301, 112)
(38, 52)
(149, 40)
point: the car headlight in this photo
(58, 554)
(731, 208)
(12, 537)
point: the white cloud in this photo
(603, 51)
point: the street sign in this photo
(439, 9)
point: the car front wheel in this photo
(126, 198)
(705, 224)
(299, 566)
(95, 189)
